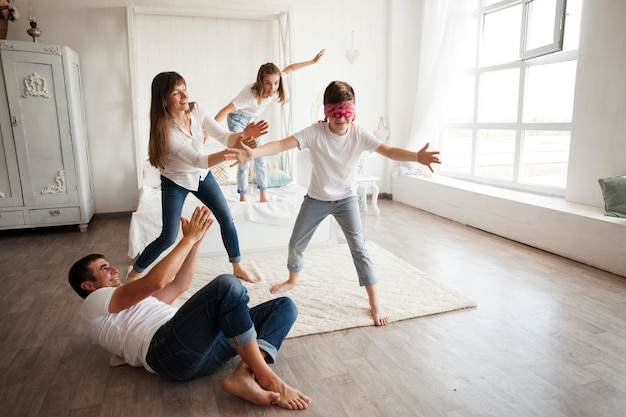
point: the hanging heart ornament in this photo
(353, 55)
(381, 132)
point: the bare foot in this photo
(289, 398)
(132, 275)
(263, 198)
(282, 287)
(242, 197)
(241, 383)
(380, 317)
(242, 274)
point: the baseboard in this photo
(575, 231)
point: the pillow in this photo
(225, 174)
(276, 178)
(614, 193)
(151, 176)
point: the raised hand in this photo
(319, 55)
(196, 227)
(425, 157)
(254, 130)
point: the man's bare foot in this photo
(132, 275)
(241, 383)
(242, 274)
(284, 286)
(289, 398)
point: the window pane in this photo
(498, 96)
(572, 25)
(501, 36)
(496, 154)
(467, 50)
(544, 158)
(459, 103)
(550, 92)
(456, 150)
(540, 26)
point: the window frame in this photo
(542, 56)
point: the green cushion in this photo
(614, 193)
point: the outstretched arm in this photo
(229, 108)
(271, 148)
(423, 156)
(298, 65)
(159, 277)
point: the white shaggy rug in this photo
(328, 296)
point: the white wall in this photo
(598, 147)
(97, 30)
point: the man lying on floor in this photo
(137, 322)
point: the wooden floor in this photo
(547, 339)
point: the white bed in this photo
(260, 226)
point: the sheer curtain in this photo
(445, 28)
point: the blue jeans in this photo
(346, 212)
(203, 333)
(237, 123)
(172, 200)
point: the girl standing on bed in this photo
(335, 146)
(248, 106)
(177, 129)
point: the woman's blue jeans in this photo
(203, 333)
(237, 123)
(172, 200)
(346, 212)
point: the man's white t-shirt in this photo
(128, 333)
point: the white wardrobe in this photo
(45, 178)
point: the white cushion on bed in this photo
(225, 174)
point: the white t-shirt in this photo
(335, 159)
(186, 164)
(248, 104)
(128, 333)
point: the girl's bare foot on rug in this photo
(282, 287)
(242, 274)
(290, 398)
(378, 314)
(241, 383)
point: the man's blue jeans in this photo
(172, 200)
(202, 335)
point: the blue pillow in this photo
(276, 178)
(614, 193)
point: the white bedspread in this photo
(280, 211)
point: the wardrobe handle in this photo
(15, 122)
(55, 213)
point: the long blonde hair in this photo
(160, 120)
(257, 87)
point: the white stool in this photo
(363, 185)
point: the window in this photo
(509, 111)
